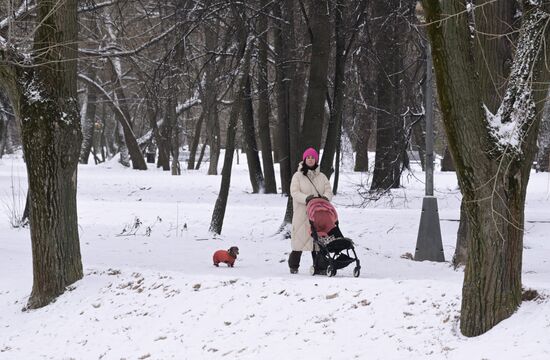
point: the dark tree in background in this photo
(314, 113)
(244, 52)
(264, 106)
(250, 145)
(345, 39)
(390, 130)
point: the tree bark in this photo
(138, 162)
(210, 102)
(44, 97)
(218, 214)
(89, 117)
(447, 162)
(493, 176)
(264, 107)
(314, 113)
(367, 93)
(251, 147)
(337, 108)
(195, 143)
(343, 48)
(5, 109)
(283, 96)
(493, 58)
(390, 140)
(172, 116)
(460, 257)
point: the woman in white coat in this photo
(308, 182)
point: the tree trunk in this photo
(493, 57)
(195, 143)
(543, 156)
(210, 102)
(493, 171)
(4, 121)
(165, 135)
(447, 162)
(251, 148)
(390, 140)
(367, 117)
(460, 256)
(264, 108)
(175, 135)
(201, 156)
(45, 101)
(283, 97)
(89, 117)
(138, 161)
(337, 108)
(337, 163)
(314, 113)
(88, 121)
(218, 214)
(164, 141)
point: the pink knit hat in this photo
(311, 152)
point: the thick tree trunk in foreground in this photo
(45, 101)
(493, 58)
(493, 170)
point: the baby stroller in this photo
(334, 250)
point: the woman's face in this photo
(310, 161)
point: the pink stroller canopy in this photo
(322, 214)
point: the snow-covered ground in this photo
(152, 292)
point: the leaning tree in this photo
(492, 151)
(40, 79)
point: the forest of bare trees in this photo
(170, 84)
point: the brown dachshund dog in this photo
(226, 256)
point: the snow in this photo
(517, 110)
(153, 293)
(507, 133)
(33, 91)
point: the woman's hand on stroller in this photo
(311, 197)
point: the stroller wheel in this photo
(356, 271)
(312, 270)
(331, 271)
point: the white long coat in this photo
(300, 189)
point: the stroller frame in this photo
(331, 248)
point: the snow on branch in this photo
(25, 7)
(96, 6)
(115, 50)
(104, 92)
(517, 110)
